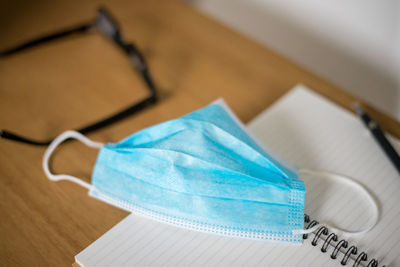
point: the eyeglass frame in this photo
(106, 25)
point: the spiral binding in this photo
(331, 239)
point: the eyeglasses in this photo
(106, 25)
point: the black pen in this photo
(379, 136)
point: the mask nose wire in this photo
(359, 187)
(54, 144)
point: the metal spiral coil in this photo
(331, 240)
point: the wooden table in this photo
(69, 83)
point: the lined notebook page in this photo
(310, 132)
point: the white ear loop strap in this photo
(352, 183)
(56, 142)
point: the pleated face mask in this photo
(202, 172)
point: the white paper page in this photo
(310, 132)
(314, 133)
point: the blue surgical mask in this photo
(201, 171)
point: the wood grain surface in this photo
(70, 83)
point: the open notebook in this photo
(310, 132)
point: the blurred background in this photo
(354, 44)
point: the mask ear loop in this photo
(54, 144)
(354, 184)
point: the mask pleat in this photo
(201, 209)
(184, 173)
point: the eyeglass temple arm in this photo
(101, 123)
(104, 22)
(107, 26)
(104, 122)
(78, 29)
(95, 126)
